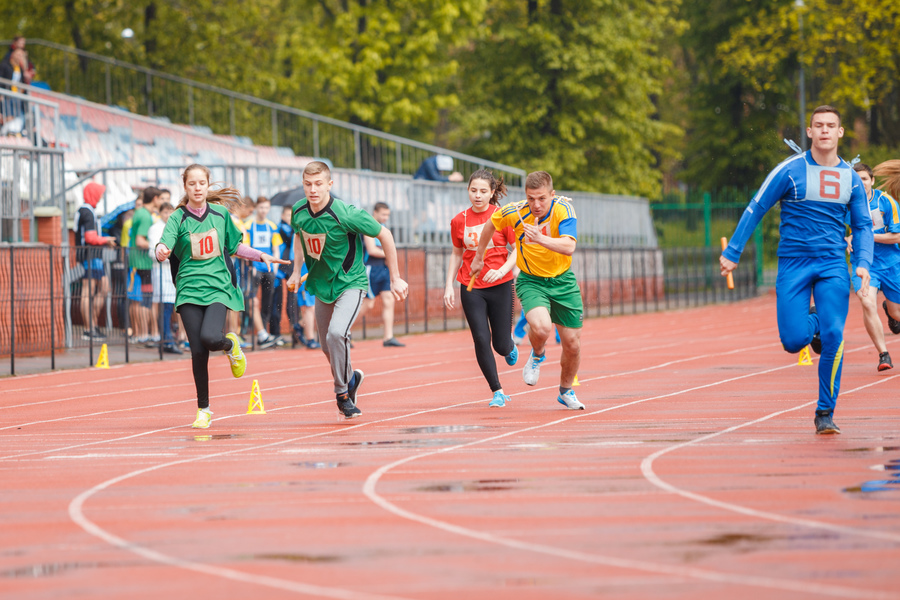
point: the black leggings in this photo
(489, 313)
(205, 329)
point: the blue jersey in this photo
(265, 238)
(885, 219)
(815, 201)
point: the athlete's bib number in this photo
(472, 235)
(829, 184)
(315, 244)
(205, 245)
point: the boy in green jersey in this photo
(328, 238)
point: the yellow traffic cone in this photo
(255, 407)
(576, 381)
(805, 358)
(103, 360)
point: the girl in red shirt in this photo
(488, 307)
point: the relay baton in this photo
(471, 283)
(302, 279)
(729, 279)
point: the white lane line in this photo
(109, 455)
(652, 477)
(76, 513)
(369, 490)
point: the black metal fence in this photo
(46, 321)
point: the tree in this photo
(386, 65)
(734, 125)
(849, 51)
(568, 87)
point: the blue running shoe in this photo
(519, 331)
(499, 400)
(532, 370)
(570, 401)
(513, 356)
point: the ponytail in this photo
(498, 187)
(890, 169)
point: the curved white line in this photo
(369, 490)
(652, 477)
(76, 513)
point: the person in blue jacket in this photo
(816, 188)
(885, 272)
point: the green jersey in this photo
(333, 246)
(201, 252)
(138, 258)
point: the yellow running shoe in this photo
(236, 356)
(204, 418)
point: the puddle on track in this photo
(305, 558)
(480, 485)
(892, 469)
(441, 429)
(415, 443)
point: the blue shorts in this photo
(93, 269)
(887, 280)
(140, 291)
(304, 298)
(379, 280)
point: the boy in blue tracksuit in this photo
(885, 271)
(816, 189)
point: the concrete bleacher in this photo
(98, 137)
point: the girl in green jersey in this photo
(200, 239)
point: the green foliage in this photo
(568, 88)
(381, 64)
(849, 50)
(734, 126)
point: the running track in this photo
(694, 473)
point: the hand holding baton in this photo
(729, 279)
(293, 288)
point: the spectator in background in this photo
(264, 237)
(163, 286)
(283, 273)
(380, 279)
(239, 214)
(95, 285)
(14, 67)
(141, 284)
(432, 166)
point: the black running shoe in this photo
(824, 423)
(357, 380)
(346, 406)
(884, 361)
(893, 324)
(816, 342)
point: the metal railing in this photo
(156, 94)
(30, 178)
(45, 322)
(20, 115)
(420, 210)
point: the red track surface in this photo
(694, 473)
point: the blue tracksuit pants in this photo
(827, 280)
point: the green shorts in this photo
(560, 295)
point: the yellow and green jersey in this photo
(532, 258)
